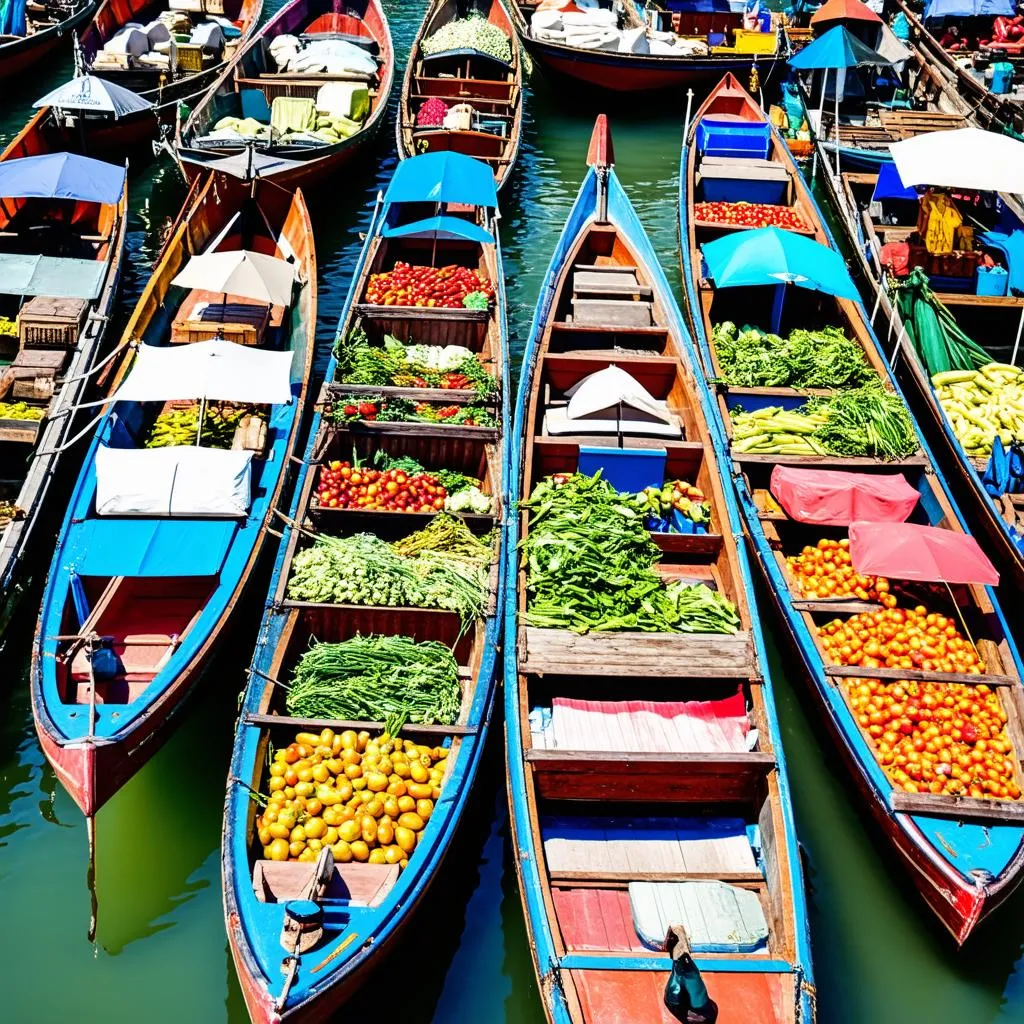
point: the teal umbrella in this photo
(771, 256)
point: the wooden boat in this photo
(1003, 110)
(48, 26)
(195, 70)
(492, 87)
(579, 708)
(715, 43)
(368, 905)
(63, 338)
(965, 855)
(252, 82)
(156, 591)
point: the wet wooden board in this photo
(958, 809)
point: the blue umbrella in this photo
(447, 228)
(62, 176)
(837, 48)
(443, 178)
(968, 9)
(770, 256)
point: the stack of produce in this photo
(390, 679)
(351, 408)
(861, 422)
(473, 32)
(432, 113)
(675, 496)
(590, 566)
(180, 427)
(442, 566)
(749, 215)
(21, 411)
(9, 511)
(398, 488)
(8, 327)
(441, 287)
(982, 405)
(448, 367)
(366, 799)
(749, 358)
(826, 570)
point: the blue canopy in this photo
(890, 185)
(441, 227)
(837, 48)
(62, 176)
(770, 256)
(443, 178)
(969, 9)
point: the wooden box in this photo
(190, 57)
(51, 322)
(184, 332)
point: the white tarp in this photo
(969, 158)
(178, 481)
(218, 369)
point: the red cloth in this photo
(834, 498)
(925, 553)
(895, 256)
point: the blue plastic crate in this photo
(629, 470)
(744, 190)
(991, 282)
(733, 139)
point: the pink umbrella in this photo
(904, 551)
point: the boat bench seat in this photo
(612, 313)
(361, 885)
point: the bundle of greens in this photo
(826, 358)
(590, 567)
(449, 367)
(391, 679)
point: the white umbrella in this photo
(968, 158)
(86, 92)
(251, 275)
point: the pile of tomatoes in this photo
(750, 215)
(444, 287)
(393, 490)
(826, 570)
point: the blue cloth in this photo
(62, 176)
(968, 8)
(890, 185)
(443, 178)
(441, 227)
(12, 18)
(837, 48)
(770, 256)
(150, 547)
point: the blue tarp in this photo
(443, 178)
(441, 227)
(837, 48)
(12, 18)
(62, 176)
(150, 547)
(53, 276)
(767, 256)
(890, 186)
(969, 9)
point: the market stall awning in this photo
(446, 228)
(87, 92)
(890, 186)
(837, 48)
(770, 256)
(904, 551)
(250, 275)
(969, 9)
(443, 178)
(216, 369)
(843, 10)
(54, 276)
(62, 176)
(834, 498)
(967, 158)
(151, 547)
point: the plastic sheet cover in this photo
(835, 498)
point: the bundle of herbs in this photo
(590, 567)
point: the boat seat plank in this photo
(958, 809)
(665, 655)
(596, 920)
(358, 726)
(605, 268)
(361, 885)
(641, 845)
(612, 313)
(855, 671)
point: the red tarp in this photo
(843, 10)
(927, 553)
(834, 498)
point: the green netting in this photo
(933, 331)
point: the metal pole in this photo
(689, 105)
(836, 123)
(1016, 344)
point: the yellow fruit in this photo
(374, 807)
(411, 820)
(405, 838)
(264, 836)
(330, 837)
(298, 834)
(278, 831)
(391, 807)
(377, 857)
(396, 788)
(342, 851)
(316, 828)
(360, 851)
(418, 772)
(376, 782)
(296, 847)
(393, 854)
(406, 803)
(277, 850)
(276, 783)
(420, 792)
(424, 808)
(368, 828)
(385, 833)
(349, 830)
(348, 740)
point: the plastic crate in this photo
(629, 470)
(991, 281)
(733, 139)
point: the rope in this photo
(96, 366)
(67, 444)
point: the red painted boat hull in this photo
(16, 58)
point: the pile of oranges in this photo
(826, 570)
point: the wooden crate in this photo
(184, 332)
(51, 322)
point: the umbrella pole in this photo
(199, 423)
(1016, 344)
(963, 621)
(837, 121)
(779, 302)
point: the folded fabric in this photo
(292, 114)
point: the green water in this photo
(160, 953)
